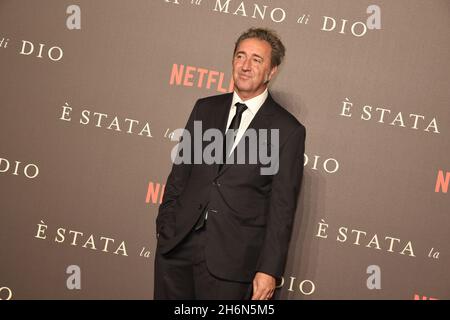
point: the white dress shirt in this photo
(253, 105)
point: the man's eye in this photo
(257, 60)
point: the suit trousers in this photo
(182, 274)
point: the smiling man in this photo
(223, 229)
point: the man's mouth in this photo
(244, 77)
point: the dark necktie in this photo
(234, 125)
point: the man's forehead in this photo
(254, 46)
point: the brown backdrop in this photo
(77, 191)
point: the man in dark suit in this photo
(223, 229)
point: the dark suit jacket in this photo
(250, 215)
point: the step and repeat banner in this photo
(92, 91)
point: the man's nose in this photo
(246, 65)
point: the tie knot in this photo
(241, 107)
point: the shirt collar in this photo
(252, 104)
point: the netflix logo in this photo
(418, 297)
(189, 76)
(155, 192)
(442, 181)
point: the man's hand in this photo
(263, 286)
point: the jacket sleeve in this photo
(176, 182)
(286, 186)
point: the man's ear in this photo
(273, 72)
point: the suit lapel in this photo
(221, 119)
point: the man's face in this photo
(252, 67)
